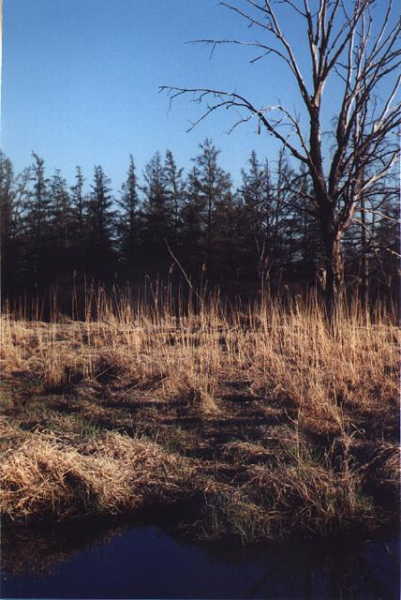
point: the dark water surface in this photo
(145, 562)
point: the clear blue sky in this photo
(81, 77)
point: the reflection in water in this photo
(143, 562)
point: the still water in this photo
(145, 562)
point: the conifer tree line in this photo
(167, 222)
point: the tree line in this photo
(189, 227)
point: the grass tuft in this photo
(277, 422)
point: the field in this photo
(255, 423)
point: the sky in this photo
(81, 81)
(81, 78)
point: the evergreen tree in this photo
(61, 228)
(176, 190)
(264, 223)
(79, 224)
(7, 198)
(79, 204)
(227, 255)
(301, 240)
(210, 185)
(158, 223)
(61, 210)
(128, 224)
(379, 241)
(39, 265)
(192, 230)
(100, 225)
(383, 265)
(12, 190)
(38, 205)
(255, 187)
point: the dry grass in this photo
(109, 475)
(278, 422)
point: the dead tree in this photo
(346, 41)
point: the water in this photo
(145, 562)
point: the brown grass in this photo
(109, 475)
(276, 421)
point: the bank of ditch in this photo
(264, 423)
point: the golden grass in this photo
(279, 421)
(110, 475)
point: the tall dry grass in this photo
(280, 352)
(330, 392)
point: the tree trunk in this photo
(334, 288)
(364, 259)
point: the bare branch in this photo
(254, 44)
(232, 100)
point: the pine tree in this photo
(128, 224)
(300, 236)
(12, 190)
(381, 242)
(192, 230)
(255, 187)
(39, 201)
(61, 228)
(61, 210)
(79, 203)
(6, 197)
(227, 255)
(39, 264)
(176, 190)
(158, 223)
(79, 224)
(100, 224)
(210, 186)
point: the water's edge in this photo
(114, 560)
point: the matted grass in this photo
(267, 420)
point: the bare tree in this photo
(359, 48)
